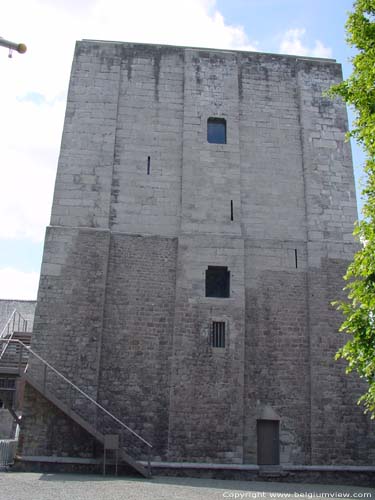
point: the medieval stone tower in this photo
(200, 228)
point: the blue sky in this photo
(34, 86)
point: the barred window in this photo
(218, 334)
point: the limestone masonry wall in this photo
(144, 204)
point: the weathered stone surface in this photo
(135, 366)
(144, 204)
(47, 431)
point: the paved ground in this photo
(34, 486)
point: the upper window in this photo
(217, 130)
(217, 282)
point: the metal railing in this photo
(16, 322)
(76, 400)
(8, 449)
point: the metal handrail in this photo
(6, 327)
(12, 317)
(4, 334)
(5, 331)
(79, 390)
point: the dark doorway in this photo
(268, 442)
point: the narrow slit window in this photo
(231, 210)
(296, 257)
(217, 131)
(217, 282)
(148, 165)
(218, 334)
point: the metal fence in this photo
(8, 449)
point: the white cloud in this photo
(15, 284)
(28, 157)
(292, 43)
(184, 22)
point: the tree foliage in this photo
(359, 310)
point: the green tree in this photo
(359, 310)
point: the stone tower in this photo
(200, 228)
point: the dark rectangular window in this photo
(218, 334)
(217, 282)
(217, 130)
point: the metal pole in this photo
(20, 359)
(19, 47)
(149, 462)
(44, 378)
(70, 402)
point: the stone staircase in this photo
(19, 364)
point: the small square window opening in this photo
(217, 130)
(217, 282)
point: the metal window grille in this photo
(8, 449)
(7, 383)
(218, 334)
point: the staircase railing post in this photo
(44, 378)
(19, 320)
(149, 461)
(70, 398)
(20, 359)
(14, 320)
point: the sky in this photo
(34, 86)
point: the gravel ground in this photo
(35, 486)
